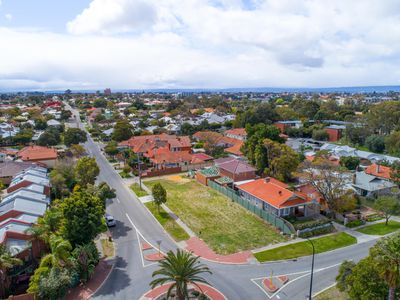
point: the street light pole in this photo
(312, 269)
(140, 181)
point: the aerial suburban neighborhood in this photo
(199, 150)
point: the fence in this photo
(276, 221)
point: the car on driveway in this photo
(110, 221)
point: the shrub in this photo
(355, 223)
(311, 224)
(317, 231)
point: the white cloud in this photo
(8, 17)
(215, 43)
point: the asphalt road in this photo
(130, 277)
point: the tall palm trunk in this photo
(179, 294)
(392, 292)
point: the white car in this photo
(110, 221)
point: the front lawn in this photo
(321, 244)
(167, 222)
(137, 190)
(380, 228)
(224, 225)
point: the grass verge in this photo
(167, 222)
(108, 247)
(332, 293)
(224, 225)
(137, 190)
(380, 228)
(321, 244)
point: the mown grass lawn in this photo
(137, 190)
(167, 222)
(224, 225)
(380, 228)
(332, 293)
(321, 244)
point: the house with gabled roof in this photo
(236, 169)
(274, 196)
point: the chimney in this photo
(378, 168)
(266, 179)
(280, 193)
(354, 178)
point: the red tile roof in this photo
(273, 192)
(237, 131)
(234, 165)
(37, 153)
(202, 157)
(235, 149)
(379, 171)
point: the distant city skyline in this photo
(199, 44)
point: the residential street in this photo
(131, 275)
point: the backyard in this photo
(224, 225)
(322, 244)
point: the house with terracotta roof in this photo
(236, 169)
(237, 133)
(39, 154)
(379, 171)
(274, 196)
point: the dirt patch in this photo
(178, 179)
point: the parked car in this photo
(110, 221)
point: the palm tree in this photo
(46, 225)
(60, 253)
(59, 257)
(7, 261)
(181, 269)
(386, 253)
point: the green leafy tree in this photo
(58, 184)
(349, 162)
(47, 225)
(384, 117)
(392, 143)
(182, 269)
(23, 137)
(86, 171)
(73, 136)
(77, 150)
(122, 131)
(386, 254)
(83, 217)
(320, 135)
(282, 160)
(55, 284)
(395, 173)
(50, 137)
(159, 195)
(111, 148)
(375, 143)
(40, 124)
(388, 205)
(254, 148)
(362, 281)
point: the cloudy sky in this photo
(127, 44)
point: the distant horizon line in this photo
(344, 89)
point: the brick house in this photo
(45, 155)
(235, 169)
(274, 196)
(335, 132)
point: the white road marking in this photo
(306, 273)
(118, 200)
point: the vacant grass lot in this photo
(380, 228)
(322, 244)
(224, 225)
(137, 190)
(167, 222)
